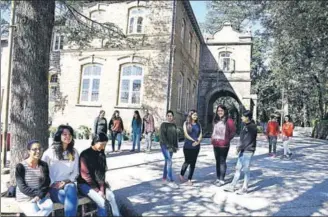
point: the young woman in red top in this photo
(287, 134)
(223, 131)
(272, 132)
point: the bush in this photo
(84, 132)
(260, 129)
(320, 129)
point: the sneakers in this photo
(230, 188)
(242, 191)
(172, 185)
(270, 155)
(219, 183)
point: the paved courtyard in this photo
(297, 187)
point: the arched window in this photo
(226, 63)
(90, 83)
(183, 24)
(131, 81)
(180, 87)
(136, 20)
(54, 78)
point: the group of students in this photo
(273, 131)
(57, 175)
(223, 132)
(115, 127)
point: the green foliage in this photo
(84, 132)
(52, 131)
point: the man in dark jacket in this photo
(245, 151)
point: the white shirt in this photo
(60, 170)
(219, 131)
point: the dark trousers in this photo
(272, 144)
(190, 159)
(221, 154)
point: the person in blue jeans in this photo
(245, 151)
(92, 178)
(136, 126)
(63, 161)
(169, 145)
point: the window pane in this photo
(96, 70)
(85, 89)
(139, 25)
(136, 86)
(135, 98)
(87, 70)
(131, 25)
(56, 42)
(124, 97)
(61, 41)
(136, 70)
(126, 71)
(125, 85)
(54, 78)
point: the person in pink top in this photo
(148, 128)
(223, 132)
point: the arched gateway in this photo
(225, 75)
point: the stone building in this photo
(160, 73)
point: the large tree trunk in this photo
(29, 89)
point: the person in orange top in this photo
(272, 133)
(287, 134)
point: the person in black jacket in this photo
(32, 178)
(100, 124)
(245, 151)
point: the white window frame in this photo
(133, 28)
(183, 29)
(131, 78)
(91, 78)
(180, 88)
(187, 96)
(225, 56)
(60, 38)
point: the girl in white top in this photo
(63, 162)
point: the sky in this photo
(199, 8)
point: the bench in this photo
(9, 207)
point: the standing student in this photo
(287, 134)
(193, 136)
(223, 132)
(245, 151)
(272, 132)
(63, 161)
(169, 145)
(116, 127)
(136, 126)
(148, 129)
(92, 178)
(100, 123)
(32, 178)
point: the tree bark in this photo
(29, 87)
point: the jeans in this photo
(244, 161)
(66, 196)
(117, 135)
(190, 159)
(102, 203)
(286, 143)
(136, 139)
(272, 144)
(41, 208)
(148, 138)
(221, 154)
(167, 171)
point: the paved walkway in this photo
(297, 187)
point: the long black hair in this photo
(101, 137)
(114, 116)
(217, 118)
(136, 112)
(289, 118)
(58, 146)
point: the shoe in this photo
(117, 151)
(242, 191)
(190, 183)
(219, 183)
(273, 155)
(283, 157)
(164, 180)
(131, 150)
(230, 188)
(172, 184)
(270, 154)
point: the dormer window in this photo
(136, 20)
(226, 62)
(58, 42)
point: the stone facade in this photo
(225, 71)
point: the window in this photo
(131, 84)
(180, 86)
(98, 16)
(196, 53)
(183, 24)
(53, 93)
(136, 20)
(54, 78)
(187, 96)
(194, 97)
(90, 83)
(225, 61)
(58, 42)
(190, 43)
